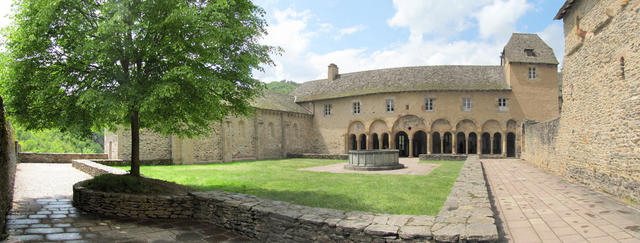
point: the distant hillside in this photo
(284, 86)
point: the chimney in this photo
(333, 72)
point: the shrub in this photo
(133, 185)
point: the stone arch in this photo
(356, 127)
(272, 131)
(378, 126)
(512, 125)
(241, 128)
(491, 126)
(466, 126)
(409, 123)
(441, 125)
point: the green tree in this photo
(283, 86)
(173, 67)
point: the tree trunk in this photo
(135, 144)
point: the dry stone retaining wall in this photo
(56, 158)
(95, 169)
(319, 156)
(442, 157)
(465, 217)
(132, 206)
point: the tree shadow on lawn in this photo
(316, 199)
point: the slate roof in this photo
(514, 51)
(421, 78)
(279, 102)
(563, 10)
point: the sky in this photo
(359, 35)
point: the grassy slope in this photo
(279, 180)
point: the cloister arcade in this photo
(412, 136)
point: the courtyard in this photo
(282, 181)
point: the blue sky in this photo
(360, 35)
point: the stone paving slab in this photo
(535, 206)
(42, 212)
(412, 167)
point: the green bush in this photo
(133, 185)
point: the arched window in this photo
(497, 143)
(622, 67)
(385, 141)
(436, 143)
(375, 141)
(446, 143)
(363, 141)
(486, 143)
(353, 143)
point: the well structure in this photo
(386, 159)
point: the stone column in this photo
(380, 141)
(392, 141)
(453, 143)
(442, 143)
(504, 144)
(358, 139)
(410, 147)
(479, 145)
(466, 143)
(428, 143)
(369, 142)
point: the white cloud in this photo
(441, 17)
(499, 18)
(495, 20)
(553, 35)
(348, 31)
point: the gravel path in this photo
(42, 212)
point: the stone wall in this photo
(540, 145)
(8, 162)
(56, 158)
(465, 217)
(319, 156)
(133, 206)
(442, 157)
(267, 134)
(95, 169)
(598, 135)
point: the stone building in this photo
(418, 110)
(597, 139)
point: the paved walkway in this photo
(42, 211)
(535, 206)
(412, 167)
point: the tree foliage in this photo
(169, 66)
(283, 86)
(52, 141)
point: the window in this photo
(327, 109)
(428, 104)
(622, 67)
(502, 104)
(390, 106)
(356, 108)
(466, 104)
(529, 52)
(532, 73)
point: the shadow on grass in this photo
(314, 199)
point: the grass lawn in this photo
(279, 180)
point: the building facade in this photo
(418, 110)
(596, 141)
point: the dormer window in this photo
(529, 52)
